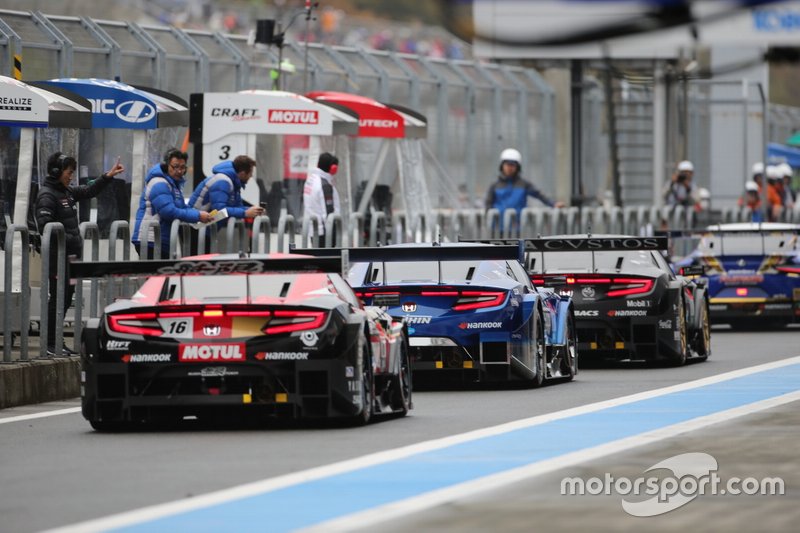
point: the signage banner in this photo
(230, 113)
(22, 106)
(114, 105)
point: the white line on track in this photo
(154, 512)
(431, 499)
(43, 414)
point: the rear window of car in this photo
(747, 244)
(582, 261)
(221, 288)
(428, 272)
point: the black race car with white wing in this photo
(629, 305)
(219, 337)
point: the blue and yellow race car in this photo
(472, 313)
(753, 272)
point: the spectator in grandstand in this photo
(162, 201)
(57, 202)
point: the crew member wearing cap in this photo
(511, 191)
(680, 190)
(752, 200)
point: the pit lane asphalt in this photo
(56, 471)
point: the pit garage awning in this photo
(121, 106)
(29, 106)
(376, 119)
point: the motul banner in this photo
(259, 113)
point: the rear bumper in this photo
(722, 310)
(635, 339)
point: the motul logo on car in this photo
(189, 353)
(377, 123)
(285, 116)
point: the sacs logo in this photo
(286, 116)
(190, 353)
(588, 313)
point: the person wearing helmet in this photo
(774, 193)
(752, 200)
(680, 190)
(758, 174)
(510, 191)
(789, 195)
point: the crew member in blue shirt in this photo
(511, 190)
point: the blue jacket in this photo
(220, 190)
(513, 193)
(161, 200)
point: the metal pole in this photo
(309, 8)
(659, 133)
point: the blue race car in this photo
(753, 272)
(471, 310)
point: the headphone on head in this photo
(175, 153)
(57, 167)
(334, 168)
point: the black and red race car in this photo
(629, 305)
(220, 336)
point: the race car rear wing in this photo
(332, 263)
(434, 253)
(721, 232)
(581, 244)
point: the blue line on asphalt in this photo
(310, 503)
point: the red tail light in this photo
(617, 286)
(788, 269)
(373, 292)
(288, 321)
(478, 299)
(135, 324)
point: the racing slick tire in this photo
(539, 352)
(367, 383)
(106, 426)
(401, 384)
(678, 358)
(569, 367)
(702, 345)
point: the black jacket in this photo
(56, 203)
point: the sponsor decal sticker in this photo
(309, 338)
(214, 372)
(777, 307)
(638, 303)
(148, 358)
(192, 353)
(665, 324)
(565, 292)
(235, 114)
(377, 123)
(587, 313)
(283, 356)
(212, 330)
(287, 116)
(588, 292)
(717, 307)
(480, 325)
(627, 312)
(117, 346)
(349, 371)
(418, 319)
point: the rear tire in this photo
(367, 383)
(569, 366)
(401, 384)
(703, 342)
(539, 352)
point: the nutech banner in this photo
(21, 106)
(259, 113)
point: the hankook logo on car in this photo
(480, 325)
(627, 312)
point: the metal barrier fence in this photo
(379, 230)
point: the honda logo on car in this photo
(212, 330)
(409, 307)
(189, 353)
(480, 325)
(587, 313)
(286, 116)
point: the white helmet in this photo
(773, 172)
(685, 166)
(786, 169)
(758, 168)
(704, 194)
(751, 186)
(510, 154)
